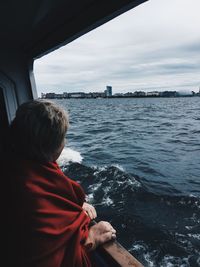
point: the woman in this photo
(51, 218)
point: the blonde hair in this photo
(39, 129)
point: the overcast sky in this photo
(155, 46)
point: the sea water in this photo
(138, 160)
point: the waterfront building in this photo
(139, 93)
(108, 91)
(49, 95)
(77, 95)
(65, 95)
(129, 94)
(88, 95)
(169, 94)
(43, 95)
(153, 93)
(98, 95)
(59, 96)
(118, 95)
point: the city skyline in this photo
(152, 47)
(108, 93)
(188, 92)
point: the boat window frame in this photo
(7, 87)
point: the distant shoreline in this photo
(108, 94)
(180, 96)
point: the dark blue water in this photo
(141, 170)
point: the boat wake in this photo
(156, 223)
(69, 155)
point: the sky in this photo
(155, 46)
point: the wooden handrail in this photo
(117, 255)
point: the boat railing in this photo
(117, 256)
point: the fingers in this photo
(113, 231)
(107, 237)
(90, 213)
(104, 232)
(93, 212)
(89, 210)
(106, 227)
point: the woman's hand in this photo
(98, 234)
(89, 210)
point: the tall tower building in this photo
(108, 91)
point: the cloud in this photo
(155, 45)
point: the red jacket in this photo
(48, 216)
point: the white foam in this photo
(105, 167)
(171, 261)
(92, 188)
(69, 155)
(189, 227)
(138, 247)
(107, 201)
(90, 198)
(118, 167)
